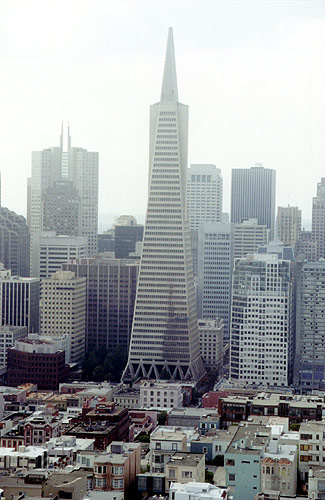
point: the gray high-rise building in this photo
(58, 165)
(19, 301)
(253, 195)
(204, 189)
(318, 219)
(310, 326)
(165, 340)
(14, 242)
(288, 225)
(62, 209)
(215, 264)
(111, 288)
(262, 323)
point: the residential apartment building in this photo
(253, 195)
(261, 346)
(184, 468)
(215, 264)
(160, 395)
(311, 448)
(63, 311)
(193, 490)
(163, 444)
(116, 469)
(204, 190)
(279, 469)
(211, 332)
(243, 461)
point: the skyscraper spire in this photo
(164, 341)
(169, 92)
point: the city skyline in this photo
(253, 78)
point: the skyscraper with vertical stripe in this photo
(165, 341)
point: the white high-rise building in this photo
(248, 236)
(262, 322)
(164, 339)
(19, 301)
(51, 251)
(53, 165)
(215, 264)
(63, 311)
(204, 194)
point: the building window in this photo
(118, 469)
(158, 446)
(232, 477)
(174, 446)
(100, 483)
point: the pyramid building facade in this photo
(164, 340)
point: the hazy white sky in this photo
(252, 72)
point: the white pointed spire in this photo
(169, 92)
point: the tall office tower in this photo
(318, 219)
(126, 237)
(111, 289)
(204, 188)
(262, 325)
(51, 251)
(63, 310)
(52, 166)
(83, 172)
(310, 326)
(14, 242)
(288, 225)
(61, 209)
(253, 195)
(165, 329)
(29, 194)
(19, 301)
(215, 264)
(248, 236)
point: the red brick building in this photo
(39, 362)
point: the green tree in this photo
(162, 417)
(208, 476)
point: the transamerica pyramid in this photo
(164, 341)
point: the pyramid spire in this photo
(169, 92)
